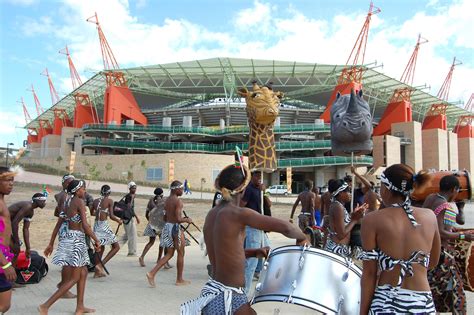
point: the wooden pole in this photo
(353, 183)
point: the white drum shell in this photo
(318, 284)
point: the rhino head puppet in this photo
(351, 125)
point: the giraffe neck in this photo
(262, 147)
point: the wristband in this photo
(6, 266)
(462, 236)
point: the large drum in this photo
(433, 187)
(465, 260)
(300, 280)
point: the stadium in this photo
(184, 119)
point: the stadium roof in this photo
(306, 85)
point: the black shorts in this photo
(5, 285)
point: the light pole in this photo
(6, 161)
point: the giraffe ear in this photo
(243, 92)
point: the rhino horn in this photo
(352, 108)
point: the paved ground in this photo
(126, 291)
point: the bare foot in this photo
(151, 280)
(68, 295)
(182, 282)
(43, 310)
(167, 266)
(84, 310)
(99, 274)
(140, 260)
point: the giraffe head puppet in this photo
(262, 110)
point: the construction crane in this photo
(84, 112)
(399, 107)
(435, 117)
(52, 90)
(351, 76)
(113, 78)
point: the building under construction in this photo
(183, 120)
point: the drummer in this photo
(400, 243)
(341, 222)
(445, 280)
(224, 232)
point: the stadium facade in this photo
(183, 120)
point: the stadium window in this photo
(154, 174)
(214, 174)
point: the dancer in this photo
(24, 211)
(130, 236)
(102, 208)
(445, 279)
(400, 243)
(224, 232)
(172, 236)
(7, 271)
(157, 202)
(72, 251)
(340, 221)
(307, 197)
(370, 197)
(61, 196)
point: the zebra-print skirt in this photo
(150, 232)
(391, 300)
(339, 249)
(72, 250)
(104, 233)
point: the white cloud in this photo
(267, 31)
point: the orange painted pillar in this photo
(120, 105)
(395, 112)
(343, 89)
(465, 131)
(435, 122)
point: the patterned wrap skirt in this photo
(104, 233)
(150, 232)
(72, 250)
(392, 300)
(339, 249)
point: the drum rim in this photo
(317, 251)
(296, 301)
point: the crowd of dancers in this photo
(406, 252)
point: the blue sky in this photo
(154, 31)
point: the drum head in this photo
(282, 309)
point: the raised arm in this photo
(363, 180)
(337, 213)
(265, 223)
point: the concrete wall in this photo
(65, 148)
(413, 152)
(386, 150)
(453, 157)
(435, 149)
(51, 146)
(466, 154)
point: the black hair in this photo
(4, 169)
(255, 173)
(308, 184)
(348, 179)
(460, 204)
(334, 184)
(402, 175)
(231, 177)
(73, 184)
(448, 182)
(175, 183)
(37, 195)
(105, 190)
(158, 191)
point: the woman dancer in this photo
(103, 208)
(341, 222)
(398, 242)
(158, 202)
(72, 250)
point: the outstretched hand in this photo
(359, 211)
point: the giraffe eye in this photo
(255, 95)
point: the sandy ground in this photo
(126, 291)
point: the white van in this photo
(277, 190)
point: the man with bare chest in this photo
(24, 211)
(7, 271)
(224, 233)
(172, 236)
(307, 197)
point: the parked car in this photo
(277, 190)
